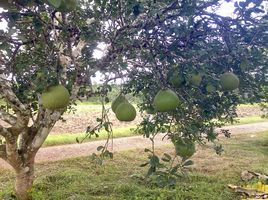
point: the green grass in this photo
(254, 105)
(251, 119)
(81, 179)
(69, 138)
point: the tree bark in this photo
(24, 180)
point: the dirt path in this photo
(62, 152)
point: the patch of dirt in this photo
(78, 123)
(249, 111)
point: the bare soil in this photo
(249, 111)
(78, 122)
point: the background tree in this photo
(51, 42)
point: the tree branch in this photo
(8, 118)
(10, 97)
(44, 127)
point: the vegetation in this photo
(70, 138)
(120, 178)
(48, 43)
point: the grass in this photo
(81, 179)
(251, 119)
(254, 105)
(69, 138)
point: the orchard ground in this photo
(120, 178)
(81, 179)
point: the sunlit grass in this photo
(69, 138)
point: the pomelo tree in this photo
(47, 49)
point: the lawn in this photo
(70, 138)
(81, 179)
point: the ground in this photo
(74, 177)
(121, 178)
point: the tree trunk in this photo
(24, 180)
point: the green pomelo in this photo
(210, 88)
(67, 5)
(175, 77)
(244, 64)
(125, 112)
(55, 97)
(184, 148)
(176, 80)
(229, 81)
(120, 99)
(196, 79)
(166, 100)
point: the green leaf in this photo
(147, 150)
(166, 157)
(188, 163)
(151, 171)
(99, 119)
(144, 164)
(154, 161)
(99, 148)
(175, 169)
(55, 3)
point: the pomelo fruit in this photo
(125, 112)
(184, 148)
(229, 81)
(166, 100)
(55, 97)
(175, 78)
(118, 100)
(196, 79)
(210, 88)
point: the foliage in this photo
(145, 40)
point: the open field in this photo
(208, 179)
